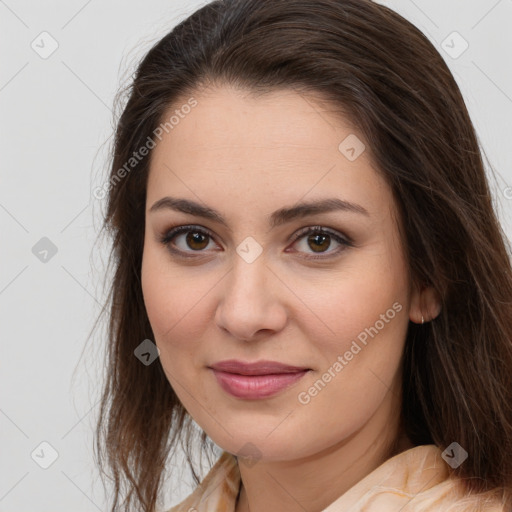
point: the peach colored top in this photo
(416, 480)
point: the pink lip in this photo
(258, 368)
(256, 380)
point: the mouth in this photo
(256, 380)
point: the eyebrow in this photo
(277, 218)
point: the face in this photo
(248, 278)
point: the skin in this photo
(246, 157)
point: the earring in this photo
(422, 320)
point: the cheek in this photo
(169, 308)
(360, 353)
(343, 306)
(176, 304)
(165, 307)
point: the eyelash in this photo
(310, 230)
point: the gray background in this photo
(56, 127)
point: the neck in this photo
(293, 485)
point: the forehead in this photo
(281, 144)
(230, 118)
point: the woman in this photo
(308, 267)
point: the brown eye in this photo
(313, 239)
(318, 242)
(185, 240)
(196, 240)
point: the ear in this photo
(424, 301)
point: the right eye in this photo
(196, 240)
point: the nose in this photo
(251, 303)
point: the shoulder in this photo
(417, 479)
(217, 491)
(429, 483)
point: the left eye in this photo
(316, 238)
(320, 239)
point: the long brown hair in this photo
(385, 75)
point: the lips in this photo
(256, 380)
(257, 368)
